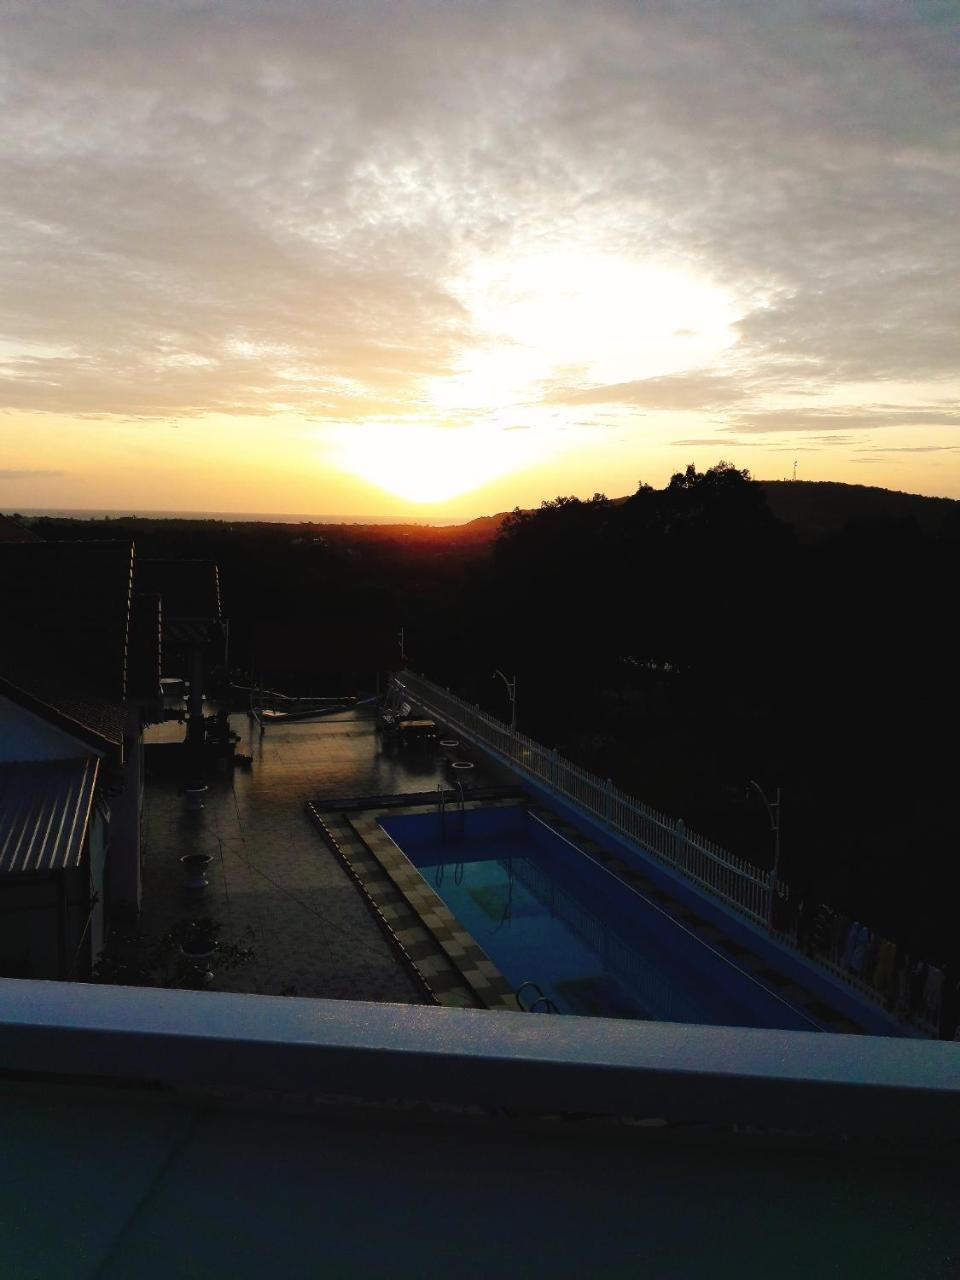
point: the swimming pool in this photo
(547, 913)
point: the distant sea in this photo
(266, 517)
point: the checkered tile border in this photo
(447, 960)
(454, 944)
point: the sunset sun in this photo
(429, 464)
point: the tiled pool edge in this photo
(448, 960)
(458, 946)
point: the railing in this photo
(733, 879)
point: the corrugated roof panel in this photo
(44, 811)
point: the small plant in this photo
(131, 958)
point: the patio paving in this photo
(273, 882)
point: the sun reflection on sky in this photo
(542, 321)
(428, 464)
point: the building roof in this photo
(44, 812)
(64, 636)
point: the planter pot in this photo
(199, 955)
(195, 797)
(195, 865)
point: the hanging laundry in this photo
(884, 972)
(841, 930)
(858, 957)
(850, 944)
(918, 978)
(932, 993)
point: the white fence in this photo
(736, 881)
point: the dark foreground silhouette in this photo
(680, 641)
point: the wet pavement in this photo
(273, 883)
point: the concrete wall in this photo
(44, 924)
(98, 837)
(124, 869)
(789, 1080)
(29, 928)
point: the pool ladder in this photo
(539, 1000)
(460, 801)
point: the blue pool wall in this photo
(871, 1017)
(723, 993)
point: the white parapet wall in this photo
(790, 1081)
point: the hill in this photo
(818, 507)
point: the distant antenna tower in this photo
(794, 468)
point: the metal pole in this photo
(512, 692)
(773, 813)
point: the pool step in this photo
(539, 999)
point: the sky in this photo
(441, 258)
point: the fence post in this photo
(608, 801)
(680, 843)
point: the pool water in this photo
(547, 913)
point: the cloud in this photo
(856, 418)
(7, 473)
(916, 448)
(711, 441)
(697, 390)
(241, 207)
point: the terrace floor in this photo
(274, 884)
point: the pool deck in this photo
(274, 883)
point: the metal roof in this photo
(44, 811)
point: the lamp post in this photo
(773, 813)
(512, 691)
